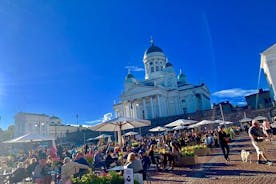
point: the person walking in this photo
(223, 141)
(257, 139)
(267, 129)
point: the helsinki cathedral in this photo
(162, 93)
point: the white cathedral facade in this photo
(162, 93)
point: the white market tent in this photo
(180, 127)
(206, 122)
(260, 118)
(29, 138)
(219, 121)
(226, 123)
(193, 126)
(244, 120)
(158, 129)
(130, 134)
(102, 136)
(181, 122)
(119, 124)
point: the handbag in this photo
(227, 139)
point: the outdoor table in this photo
(117, 168)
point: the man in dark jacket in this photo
(223, 141)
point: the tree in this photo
(7, 134)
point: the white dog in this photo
(245, 156)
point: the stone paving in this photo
(214, 169)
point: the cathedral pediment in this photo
(139, 89)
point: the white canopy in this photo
(130, 134)
(158, 129)
(193, 126)
(226, 123)
(119, 124)
(260, 118)
(205, 122)
(102, 136)
(219, 121)
(245, 120)
(180, 127)
(180, 122)
(29, 138)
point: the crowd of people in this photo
(60, 163)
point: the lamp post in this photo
(38, 125)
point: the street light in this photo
(38, 125)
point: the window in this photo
(151, 63)
(183, 101)
(157, 68)
(152, 69)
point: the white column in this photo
(152, 111)
(159, 106)
(124, 110)
(133, 109)
(145, 108)
(129, 110)
(136, 109)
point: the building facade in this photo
(41, 124)
(268, 64)
(60, 131)
(227, 107)
(259, 100)
(162, 93)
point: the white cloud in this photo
(106, 117)
(93, 122)
(135, 68)
(234, 93)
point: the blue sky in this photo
(69, 57)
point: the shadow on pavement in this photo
(241, 140)
(166, 180)
(216, 169)
(241, 146)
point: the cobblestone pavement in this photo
(214, 169)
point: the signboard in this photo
(128, 176)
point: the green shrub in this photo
(110, 178)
